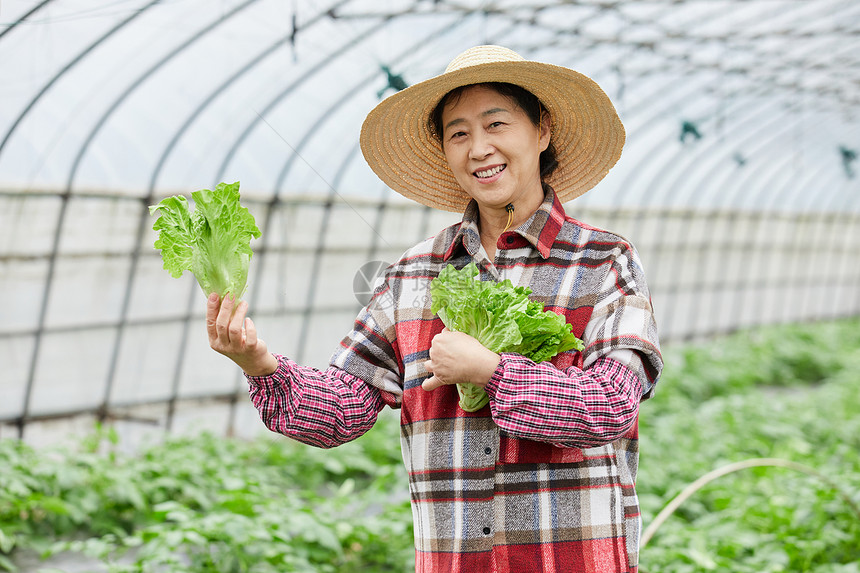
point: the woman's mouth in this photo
(490, 172)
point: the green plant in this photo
(208, 504)
(787, 392)
(213, 242)
(501, 317)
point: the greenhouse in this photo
(739, 185)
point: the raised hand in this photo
(234, 335)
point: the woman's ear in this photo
(545, 130)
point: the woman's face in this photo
(493, 148)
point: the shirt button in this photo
(488, 450)
(486, 531)
(509, 239)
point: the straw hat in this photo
(586, 131)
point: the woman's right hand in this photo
(234, 335)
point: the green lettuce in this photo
(213, 242)
(501, 317)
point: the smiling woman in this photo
(493, 147)
(504, 469)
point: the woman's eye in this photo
(496, 124)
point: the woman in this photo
(542, 478)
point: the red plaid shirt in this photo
(540, 479)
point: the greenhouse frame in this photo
(738, 183)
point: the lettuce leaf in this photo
(213, 241)
(501, 317)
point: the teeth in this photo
(489, 172)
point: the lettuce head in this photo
(213, 241)
(501, 317)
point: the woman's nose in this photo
(480, 147)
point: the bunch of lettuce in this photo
(501, 317)
(213, 242)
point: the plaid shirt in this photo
(540, 479)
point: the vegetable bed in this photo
(208, 503)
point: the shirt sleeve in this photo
(622, 324)
(320, 408)
(568, 408)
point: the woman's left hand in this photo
(457, 357)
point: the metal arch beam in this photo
(142, 223)
(333, 55)
(675, 188)
(61, 217)
(71, 64)
(626, 186)
(741, 187)
(141, 79)
(706, 177)
(771, 201)
(278, 97)
(656, 118)
(270, 208)
(701, 149)
(32, 11)
(275, 101)
(271, 105)
(316, 263)
(710, 177)
(213, 95)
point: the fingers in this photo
(225, 322)
(213, 305)
(236, 325)
(432, 383)
(234, 335)
(250, 333)
(222, 321)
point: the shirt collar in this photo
(541, 229)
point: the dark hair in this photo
(523, 98)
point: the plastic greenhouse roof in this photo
(748, 104)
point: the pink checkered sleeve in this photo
(320, 408)
(568, 408)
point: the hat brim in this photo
(586, 131)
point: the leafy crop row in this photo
(210, 504)
(788, 392)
